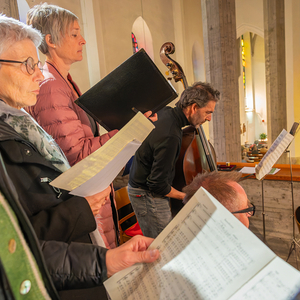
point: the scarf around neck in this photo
(31, 131)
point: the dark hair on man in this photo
(217, 184)
(200, 93)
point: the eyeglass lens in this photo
(250, 211)
(30, 65)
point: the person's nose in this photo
(82, 41)
(38, 75)
(208, 118)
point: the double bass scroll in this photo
(172, 65)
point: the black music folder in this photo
(137, 84)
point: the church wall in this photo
(249, 15)
(278, 213)
(193, 34)
(259, 78)
(292, 15)
(117, 19)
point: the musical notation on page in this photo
(206, 253)
(95, 173)
(278, 147)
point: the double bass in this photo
(197, 155)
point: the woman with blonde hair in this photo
(75, 132)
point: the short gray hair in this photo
(50, 19)
(12, 31)
(200, 93)
(217, 184)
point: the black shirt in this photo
(153, 166)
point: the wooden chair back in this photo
(126, 214)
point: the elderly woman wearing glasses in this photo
(32, 159)
(225, 188)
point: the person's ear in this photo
(194, 108)
(49, 41)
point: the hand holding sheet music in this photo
(207, 253)
(94, 173)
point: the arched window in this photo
(23, 8)
(135, 45)
(143, 36)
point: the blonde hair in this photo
(50, 19)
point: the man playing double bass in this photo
(153, 166)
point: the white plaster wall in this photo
(259, 78)
(249, 101)
(292, 24)
(117, 18)
(249, 17)
(193, 31)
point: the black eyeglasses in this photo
(28, 63)
(250, 210)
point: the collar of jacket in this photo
(183, 121)
(7, 133)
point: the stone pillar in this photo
(221, 63)
(10, 8)
(275, 67)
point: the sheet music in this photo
(273, 154)
(278, 280)
(103, 179)
(137, 129)
(251, 170)
(206, 253)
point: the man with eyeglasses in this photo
(225, 188)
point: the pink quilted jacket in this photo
(69, 125)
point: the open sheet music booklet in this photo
(270, 158)
(207, 253)
(96, 172)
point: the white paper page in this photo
(248, 170)
(251, 170)
(273, 154)
(137, 128)
(277, 281)
(104, 178)
(206, 253)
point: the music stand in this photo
(292, 132)
(263, 210)
(295, 216)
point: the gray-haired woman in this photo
(31, 157)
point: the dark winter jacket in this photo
(55, 215)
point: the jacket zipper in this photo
(57, 190)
